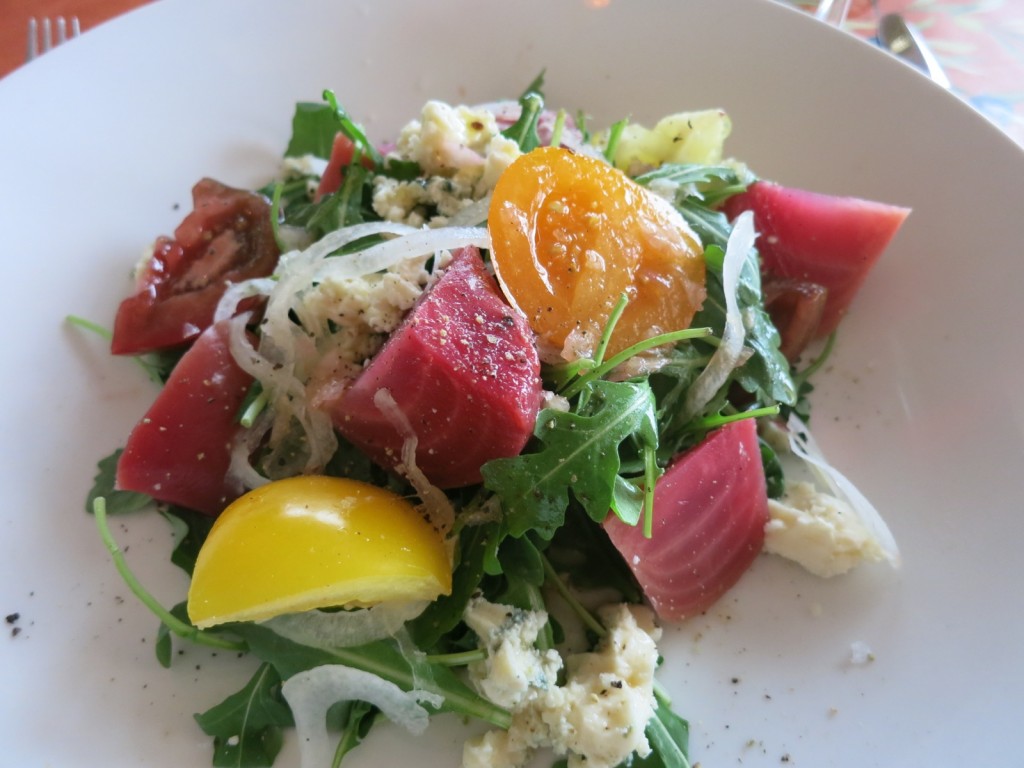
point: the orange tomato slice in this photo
(570, 234)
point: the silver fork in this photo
(64, 29)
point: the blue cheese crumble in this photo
(597, 718)
(460, 152)
(819, 531)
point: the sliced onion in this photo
(312, 692)
(803, 445)
(729, 354)
(241, 469)
(438, 508)
(344, 629)
(302, 438)
(416, 243)
(238, 292)
(474, 214)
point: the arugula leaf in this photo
(355, 718)
(383, 658)
(523, 568)
(524, 131)
(536, 85)
(348, 126)
(766, 375)
(314, 126)
(246, 726)
(669, 737)
(773, 473)
(346, 206)
(445, 613)
(614, 134)
(118, 502)
(579, 452)
(190, 530)
(582, 551)
(164, 646)
(709, 183)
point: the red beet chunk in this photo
(710, 509)
(463, 370)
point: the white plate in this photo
(102, 140)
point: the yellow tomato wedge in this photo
(570, 234)
(315, 542)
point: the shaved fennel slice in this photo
(804, 446)
(474, 214)
(436, 505)
(301, 438)
(416, 243)
(240, 468)
(288, 407)
(730, 352)
(339, 238)
(312, 692)
(238, 292)
(344, 629)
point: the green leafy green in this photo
(669, 737)
(314, 126)
(383, 658)
(181, 628)
(708, 183)
(164, 647)
(614, 134)
(117, 502)
(524, 131)
(578, 453)
(766, 374)
(353, 131)
(773, 473)
(536, 85)
(582, 552)
(190, 530)
(445, 613)
(246, 726)
(355, 718)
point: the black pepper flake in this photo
(13, 617)
(616, 683)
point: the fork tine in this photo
(41, 36)
(32, 49)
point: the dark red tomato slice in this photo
(180, 451)
(710, 509)
(824, 239)
(342, 152)
(227, 237)
(464, 371)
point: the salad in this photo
(455, 423)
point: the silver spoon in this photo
(898, 36)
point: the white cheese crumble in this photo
(461, 154)
(361, 312)
(819, 531)
(597, 718)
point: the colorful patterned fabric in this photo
(980, 44)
